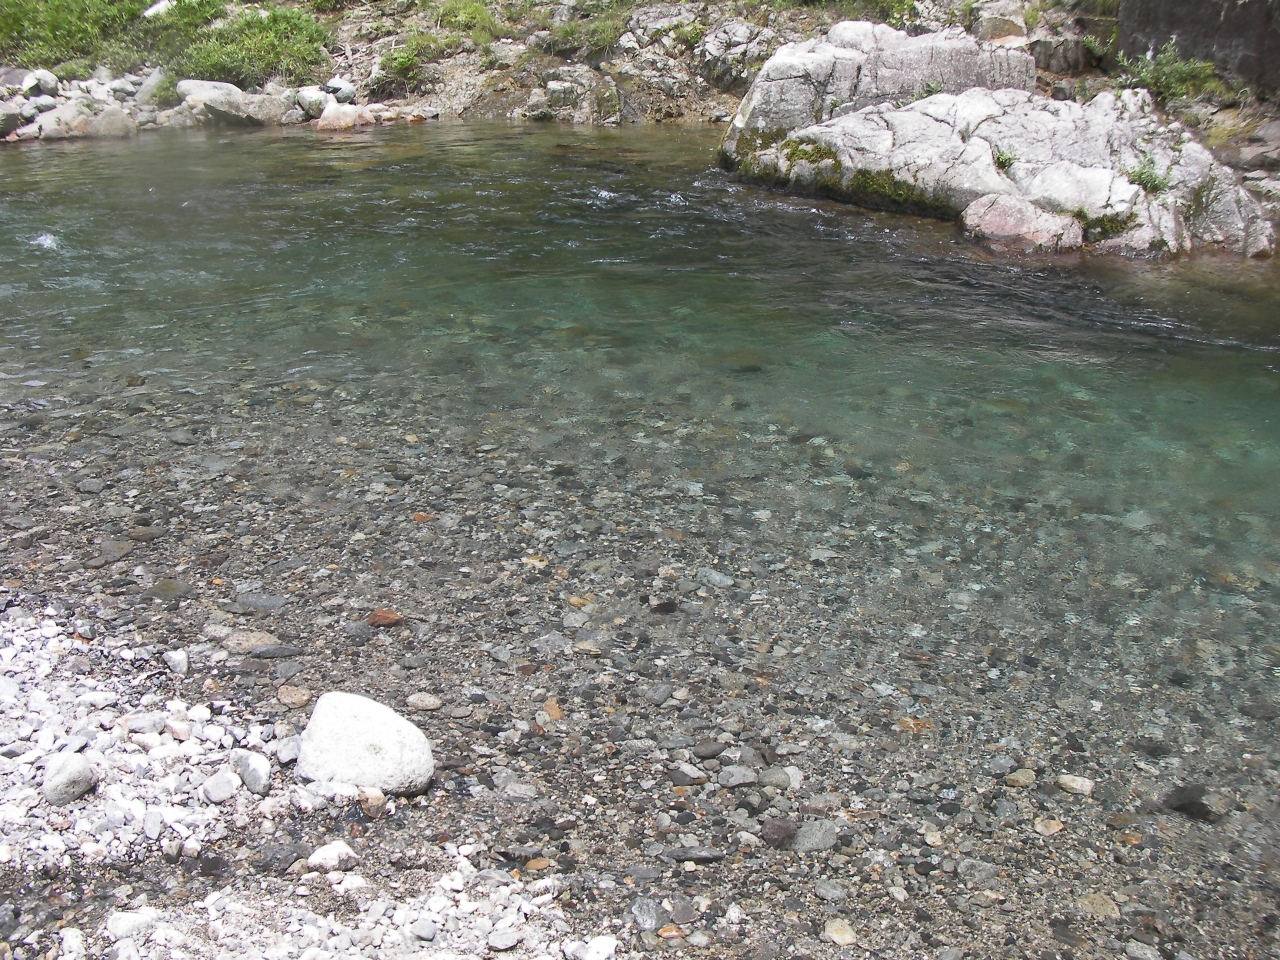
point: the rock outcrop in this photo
(860, 64)
(1135, 184)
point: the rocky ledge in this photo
(1018, 169)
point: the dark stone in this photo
(708, 749)
(279, 857)
(277, 651)
(681, 779)
(695, 854)
(212, 865)
(1198, 802)
(1241, 38)
(8, 920)
(778, 832)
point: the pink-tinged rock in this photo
(343, 116)
(1018, 223)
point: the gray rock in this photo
(147, 92)
(287, 749)
(178, 662)
(696, 854)
(659, 693)
(130, 924)
(353, 739)
(343, 90)
(313, 100)
(830, 890)
(112, 122)
(423, 929)
(10, 118)
(714, 578)
(1019, 223)
(253, 769)
(41, 80)
(815, 835)
(860, 64)
(68, 777)
(944, 153)
(505, 939)
(736, 775)
(648, 913)
(246, 110)
(337, 855)
(730, 53)
(198, 91)
(279, 857)
(221, 787)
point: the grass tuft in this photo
(255, 46)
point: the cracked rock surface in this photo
(1137, 184)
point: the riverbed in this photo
(881, 506)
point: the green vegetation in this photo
(42, 33)
(881, 190)
(596, 33)
(73, 36)
(807, 150)
(1103, 227)
(256, 45)
(1170, 77)
(471, 17)
(407, 66)
(1004, 159)
(1146, 177)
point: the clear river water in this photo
(653, 312)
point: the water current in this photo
(614, 298)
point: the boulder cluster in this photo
(847, 117)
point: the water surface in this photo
(612, 297)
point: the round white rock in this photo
(352, 739)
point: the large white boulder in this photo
(195, 92)
(1136, 184)
(352, 739)
(860, 64)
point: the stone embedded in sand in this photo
(68, 777)
(1081, 786)
(292, 696)
(333, 856)
(384, 618)
(352, 739)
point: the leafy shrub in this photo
(161, 39)
(405, 66)
(331, 6)
(593, 36)
(1005, 160)
(471, 17)
(1170, 77)
(256, 45)
(40, 33)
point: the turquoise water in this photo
(611, 297)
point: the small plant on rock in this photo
(1146, 177)
(1169, 77)
(1005, 159)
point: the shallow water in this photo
(612, 297)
